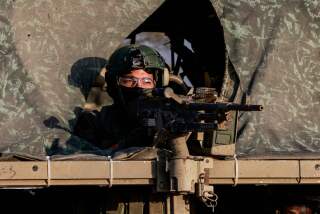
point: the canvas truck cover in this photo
(52, 50)
(275, 48)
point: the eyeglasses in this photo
(131, 82)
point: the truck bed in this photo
(144, 172)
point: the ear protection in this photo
(165, 77)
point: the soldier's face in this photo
(137, 79)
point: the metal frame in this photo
(45, 173)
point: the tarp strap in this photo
(300, 175)
(110, 171)
(48, 170)
(236, 170)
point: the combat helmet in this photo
(135, 56)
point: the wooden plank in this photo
(76, 170)
(101, 169)
(35, 173)
(255, 169)
(256, 181)
(310, 171)
(222, 169)
(27, 183)
(310, 168)
(269, 169)
(74, 182)
(23, 170)
(103, 182)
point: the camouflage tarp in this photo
(275, 48)
(48, 47)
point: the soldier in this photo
(133, 72)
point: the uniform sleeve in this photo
(87, 127)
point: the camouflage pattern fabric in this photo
(51, 50)
(275, 48)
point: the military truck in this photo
(52, 55)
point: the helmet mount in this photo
(136, 59)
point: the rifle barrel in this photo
(224, 106)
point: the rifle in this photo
(182, 114)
